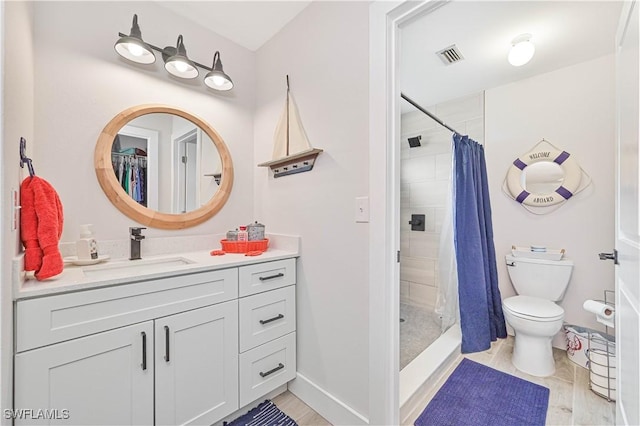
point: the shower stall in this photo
(429, 330)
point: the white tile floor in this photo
(570, 400)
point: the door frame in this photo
(385, 19)
(176, 141)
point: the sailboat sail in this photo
(289, 137)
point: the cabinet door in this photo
(197, 365)
(95, 380)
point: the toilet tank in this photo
(547, 279)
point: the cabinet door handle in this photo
(267, 321)
(144, 351)
(279, 367)
(166, 343)
(270, 277)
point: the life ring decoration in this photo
(569, 186)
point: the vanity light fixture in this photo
(522, 50)
(216, 78)
(176, 61)
(132, 47)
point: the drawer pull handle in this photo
(144, 351)
(267, 321)
(166, 343)
(279, 367)
(270, 277)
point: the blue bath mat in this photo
(265, 414)
(477, 395)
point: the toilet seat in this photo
(533, 308)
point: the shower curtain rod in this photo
(436, 119)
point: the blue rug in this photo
(477, 395)
(265, 414)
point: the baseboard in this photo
(325, 404)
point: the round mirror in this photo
(163, 167)
(542, 178)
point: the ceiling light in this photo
(216, 78)
(176, 61)
(522, 50)
(132, 47)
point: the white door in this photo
(627, 233)
(95, 380)
(197, 365)
(186, 171)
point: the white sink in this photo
(131, 268)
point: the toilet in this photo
(533, 313)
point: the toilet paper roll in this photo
(602, 310)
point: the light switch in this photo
(362, 209)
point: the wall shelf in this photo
(215, 176)
(297, 163)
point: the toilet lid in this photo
(533, 307)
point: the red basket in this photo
(244, 246)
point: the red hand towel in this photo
(43, 219)
(29, 228)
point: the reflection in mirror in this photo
(543, 177)
(166, 163)
(176, 172)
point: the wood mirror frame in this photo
(141, 214)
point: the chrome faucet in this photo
(135, 234)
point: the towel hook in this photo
(24, 158)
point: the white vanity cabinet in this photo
(166, 351)
(267, 327)
(98, 378)
(196, 365)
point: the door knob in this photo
(610, 256)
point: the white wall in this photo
(325, 52)
(425, 172)
(81, 84)
(16, 87)
(574, 109)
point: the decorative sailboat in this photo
(292, 152)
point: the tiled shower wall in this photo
(424, 183)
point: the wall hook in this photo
(24, 158)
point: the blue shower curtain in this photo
(481, 317)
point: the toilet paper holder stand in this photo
(602, 356)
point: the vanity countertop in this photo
(124, 271)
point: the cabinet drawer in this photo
(267, 316)
(52, 319)
(267, 276)
(266, 367)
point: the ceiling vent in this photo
(450, 55)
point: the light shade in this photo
(177, 63)
(522, 50)
(132, 47)
(216, 78)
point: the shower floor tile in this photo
(418, 330)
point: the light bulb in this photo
(219, 80)
(135, 50)
(181, 66)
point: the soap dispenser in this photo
(86, 247)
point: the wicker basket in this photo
(244, 246)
